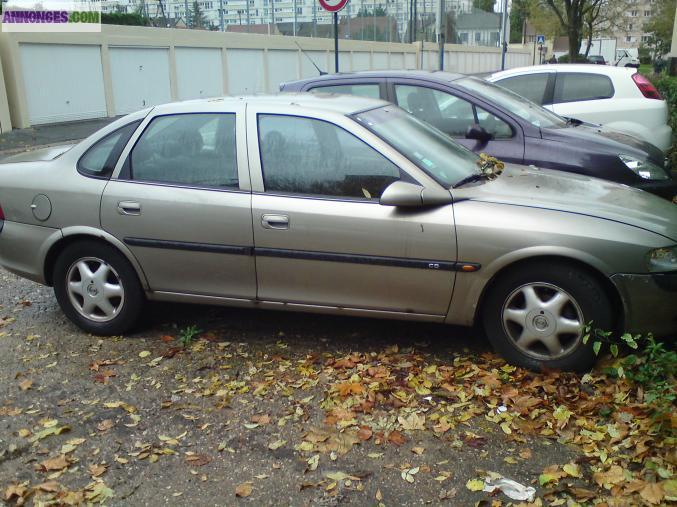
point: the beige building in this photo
(633, 34)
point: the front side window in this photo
(313, 157)
(451, 114)
(531, 86)
(371, 90)
(187, 149)
(573, 87)
(100, 159)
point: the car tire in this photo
(535, 316)
(97, 288)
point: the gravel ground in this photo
(148, 422)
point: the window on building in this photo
(634, 14)
(647, 14)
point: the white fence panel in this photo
(199, 73)
(245, 71)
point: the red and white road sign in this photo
(333, 5)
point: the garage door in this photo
(62, 82)
(140, 77)
(199, 73)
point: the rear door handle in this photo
(280, 222)
(129, 208)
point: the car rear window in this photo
(371, 90)
(577, 86)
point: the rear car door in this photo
(322, 238)
(454, 113)
(180, 201)
(584, 96)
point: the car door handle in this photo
(129, 208)
(280, 222)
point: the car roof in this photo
(331, 102)
(435, 75)
(589, 68)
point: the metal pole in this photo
(440, 31)
(373, 20)
(221, 14)
(272, 14)
(350, 34)
(248, 27)
(294, 18)
(336, 53)
(185, 4)
(504, 44)
(362, 20)
(314, 19)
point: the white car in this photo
(616, 97)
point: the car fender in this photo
(80, 230)
(470, 287)
(631, 128)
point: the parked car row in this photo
(491, 119)
(616, 97)
(351, 205)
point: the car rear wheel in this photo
(535, 316)
(97, 288)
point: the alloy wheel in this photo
(543, 320)
(95, 289)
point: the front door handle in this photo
(280, 222)
(129, 208)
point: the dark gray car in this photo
(487, 118)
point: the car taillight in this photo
(645, 86)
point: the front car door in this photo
(180, 200)
(322, 238)
(453, 113)
(535, 86)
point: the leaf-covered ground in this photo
(266, 408)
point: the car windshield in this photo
(430, 149)
(512, 102)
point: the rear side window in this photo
(371, 91)
(531, 86)
(100, 159)
(572, 87)
(196, 150)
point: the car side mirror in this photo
(479, 133)
(411, 195)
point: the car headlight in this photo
(644, 168)
(662, 259)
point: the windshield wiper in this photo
(470, 179)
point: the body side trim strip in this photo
(373, 260)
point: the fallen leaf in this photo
(144, 353)
(397, 438)
(58, 463)
(25, 385)
(97, 470)
(243, 490)
(475, 485)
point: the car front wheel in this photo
(97, 288)
(535, 316)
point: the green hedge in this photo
(667, 87)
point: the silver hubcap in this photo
(94, 289)
(543, 320)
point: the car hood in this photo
(604, 139)
(41, 154)
(573, 193)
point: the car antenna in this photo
(322, 73)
